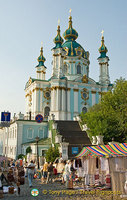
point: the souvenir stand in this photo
(102, 162)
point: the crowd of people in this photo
(50, 172)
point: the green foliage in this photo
(52, 154)
(28, 150)
(109, 117)
(20, 156)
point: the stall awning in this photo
(111, 150)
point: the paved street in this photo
(55, 191)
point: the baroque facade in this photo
(59, 100)
(70, 90)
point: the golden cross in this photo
(70, 11)
(58, 21)
(102, 32)
(41, 44)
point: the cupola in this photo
(58, 40)
(41, 59)
(70, 33)
(103, 49)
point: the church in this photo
(60, 99)
(70, 90)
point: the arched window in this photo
(78, 69)
(84, 110)
(30, 132)
(46, 112)
(65, 69)
(41, 133)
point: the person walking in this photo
(67, 174)
(31, 171)
(72, 174)
(45, 171)
(50, 173)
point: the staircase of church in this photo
(72, 133)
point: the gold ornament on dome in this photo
(67, 50)
(84, 79)
(79, 51)
(47, 93)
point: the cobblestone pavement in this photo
(55, 191)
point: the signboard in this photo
(39, 118)
(5, 116)
(74, 150)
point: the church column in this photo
(53, 99)
(72, 103)
(93, 97)
(37, 100)
(68, 100)
(90, 98)
(57, 99)
(97, 97)
(41, 93)
(63, 99)
(76, 101)
(32, 102)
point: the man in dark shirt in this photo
(50, 172)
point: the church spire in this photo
(41, 68)
(41, 59)
(58, 40)
(103, 60)
(70, 33)
(103, 49)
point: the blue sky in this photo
(24, 24)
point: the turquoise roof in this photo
(70, 33)
(71, 47)
(58, 40)
(103, 49)
(41, 59)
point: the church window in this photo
(30, 133)
(84, 94)
(78, 69)
(46, 112)
(65, 69)
(47, 94)
(84, 110)
(41, 133)
(78, 53)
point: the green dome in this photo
(73, 48)
(103, 49)
(70, 33)
(58, 40)
(41, 59)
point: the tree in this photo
(52, 154)
(109, 117)
(20, 156)
(28, 150)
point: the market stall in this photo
(101, 162)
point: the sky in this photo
(25, 24)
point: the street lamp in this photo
(37, 140)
